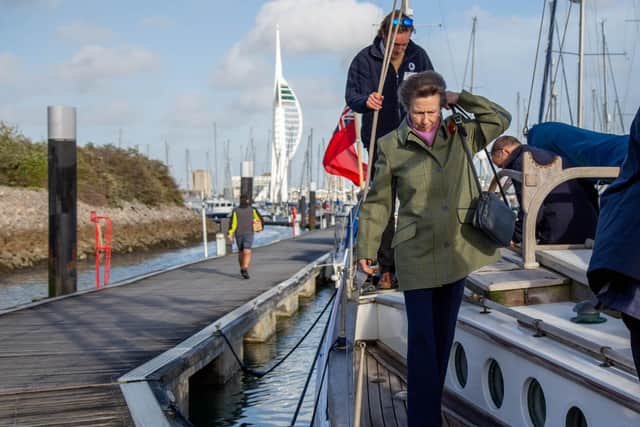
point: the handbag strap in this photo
(457, 119)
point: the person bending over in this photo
(569, 214)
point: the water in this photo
(29, 285)
(269, 401)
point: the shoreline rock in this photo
(24, 227)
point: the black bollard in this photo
(246, 180)
(302, 212)
(312, 208)
(63, 219)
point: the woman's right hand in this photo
(365, 265)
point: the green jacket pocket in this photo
(403, 234)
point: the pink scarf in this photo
(427, 136)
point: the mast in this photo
(518, 112)
(186, 160)
(216, 189)
(166, 155)
(473, 52)
(605, 113)
(580, 63)
(547, 64)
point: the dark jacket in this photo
(617, 244)
(364, 76)
(569, 213)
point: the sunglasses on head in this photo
(407, 22)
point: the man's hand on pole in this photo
(374, 101)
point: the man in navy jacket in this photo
(361, 95)
(569, 214)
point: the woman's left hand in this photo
(452, 99)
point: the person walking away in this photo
(614, 269)
(407, 58)
(436, 245)
(568, 215)
(242, 225)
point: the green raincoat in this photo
(434, 242)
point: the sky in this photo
(152, 74)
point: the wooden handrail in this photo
(537, 182)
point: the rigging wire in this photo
(313, 364)
(535, 64)
(636, 17)
(560, 60)
(260, 374)
(615, 88)
(466, 64)
(446, 36)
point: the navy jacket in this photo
(569, 214)
(363, 78)
(617, 245)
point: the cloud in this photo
(190, 111)
(115, 113)
(156, 22)
(82, 32)
(93, 64)
(10, 66)
(336, 27)
(49, 4)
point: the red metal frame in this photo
(103, 246)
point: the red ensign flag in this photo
(341, 158)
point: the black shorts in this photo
(244, 241)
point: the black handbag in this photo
(492, 215)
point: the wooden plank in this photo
(92, 339)
(572, 263)
(377, 390)
(515, 279)
(397, 386)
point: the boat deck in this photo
(60, 360)
(384, 394)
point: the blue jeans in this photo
(431, 317)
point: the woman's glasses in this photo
(407, 22)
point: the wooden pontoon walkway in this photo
(60, 360)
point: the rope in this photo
(313, 364)
(535, 65)
(317, 399)
(260, 374)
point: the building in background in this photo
(201, 182)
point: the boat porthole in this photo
(536, 403)
(460, 363)
(576, 418)
(495, 383)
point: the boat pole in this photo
(358, 398)
(63, 220)
(388, 47)
(204, 227)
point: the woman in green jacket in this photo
(436, 246)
